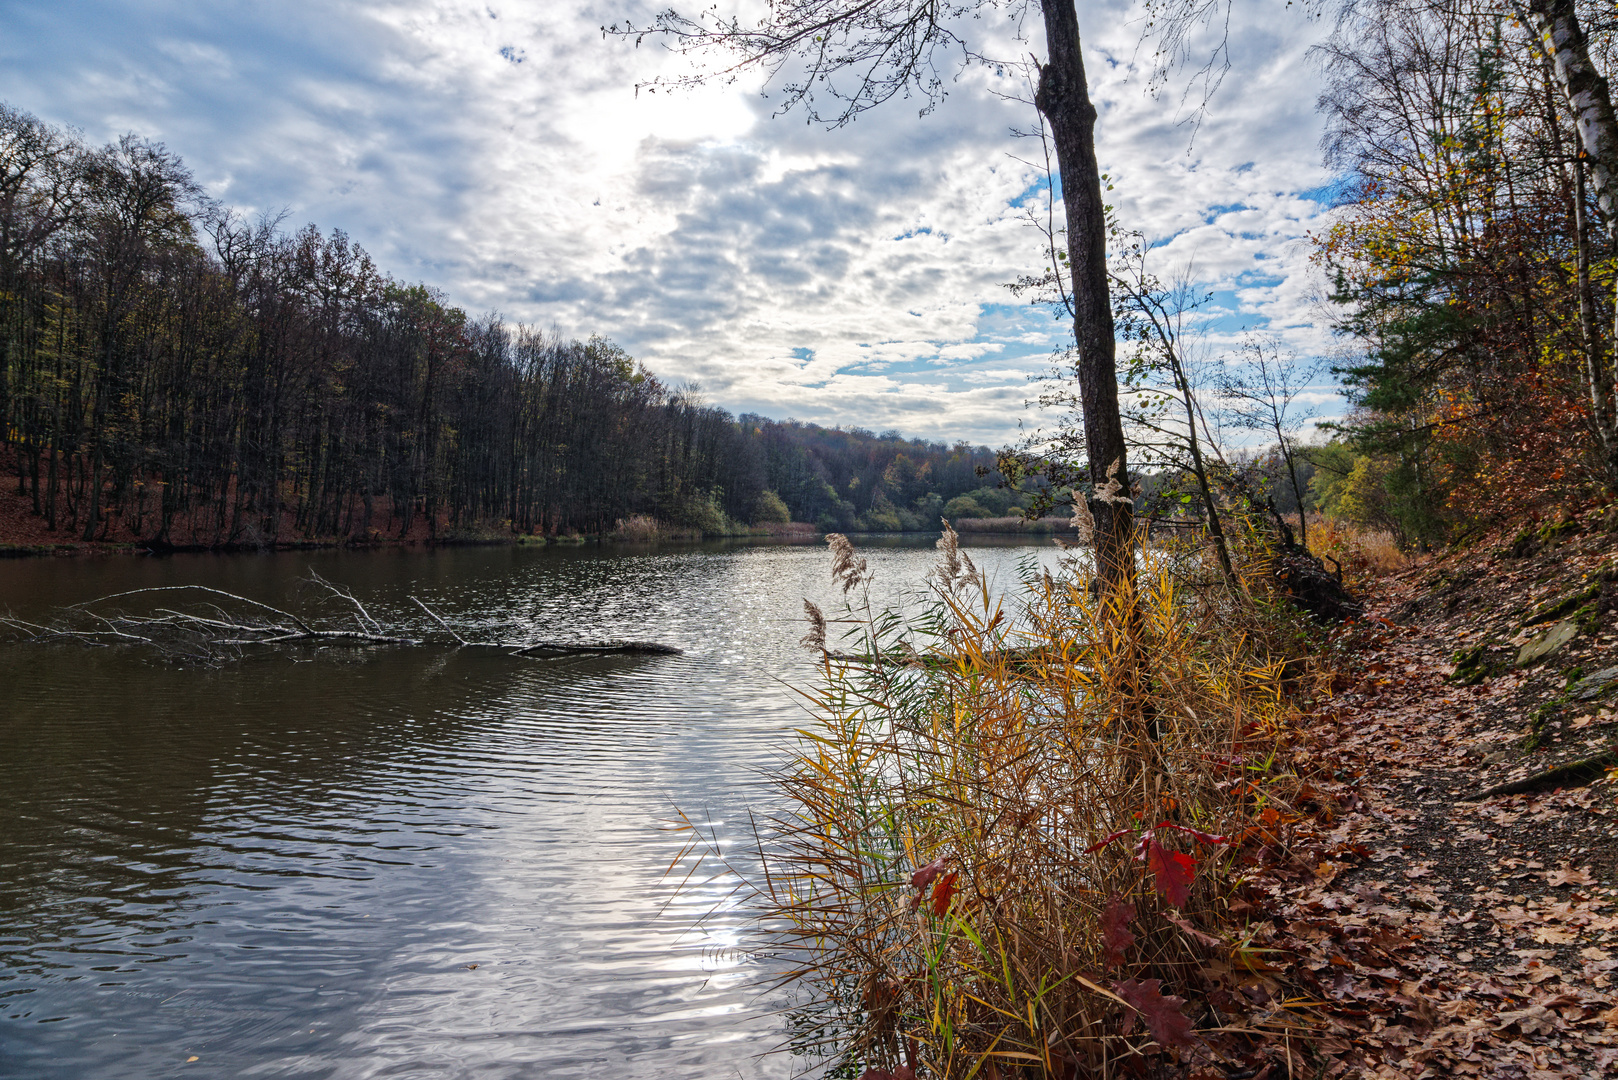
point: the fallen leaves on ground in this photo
(1442, 937)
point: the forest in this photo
(1472, 267)
(176, 374)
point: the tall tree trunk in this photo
(1556, 22)
(1601, 402)
(1064, 99)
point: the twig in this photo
(299, 623)
(346, 594)
(441, 622)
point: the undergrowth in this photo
(1011, 839)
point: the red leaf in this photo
(1173, 871)
(1115, 935)
(943, 891)
(1192, 931)
(1099, 844)
(1162, 1014)
(924, 875)
(876, 1074)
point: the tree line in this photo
(173, 372)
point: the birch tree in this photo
(1555, 24)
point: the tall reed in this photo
(984, 860)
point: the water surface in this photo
(402, 862)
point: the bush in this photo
(768, 509)
(882, 519)
(1362, 553)
(998, 501)
(705, 513)
(964, 506)
(639, 528)
(955, 871)
(1378, 492)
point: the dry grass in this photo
(638, 528)
(1015, 524)
(796, 529)
(1363, 552)
(940, 879)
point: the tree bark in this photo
(1556, 22)
(1601, 400)
(1063, 97)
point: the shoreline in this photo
(89, 548)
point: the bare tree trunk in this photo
(1556, 22)
(1064, 99)
(1601, 403)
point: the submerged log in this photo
(632, 648)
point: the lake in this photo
(417, 861)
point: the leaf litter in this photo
(1443, 937)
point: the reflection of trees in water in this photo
(125, 785)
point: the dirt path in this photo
(1455, 937)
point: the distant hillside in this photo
(172, 373)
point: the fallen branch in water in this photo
(222, 624)
(645, 648)
(207, 631)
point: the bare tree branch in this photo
(220, 628)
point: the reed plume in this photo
(981, 867)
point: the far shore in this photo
(798, 535)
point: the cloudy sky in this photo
(500, 151)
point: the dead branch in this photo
(439, 619)
(643, 648)
(222, 624)
(1572, 774)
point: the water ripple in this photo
(428, 862)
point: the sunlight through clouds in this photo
(501, 152)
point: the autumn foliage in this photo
(1476, 286)
(996, 855)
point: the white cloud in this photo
(850, 276)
